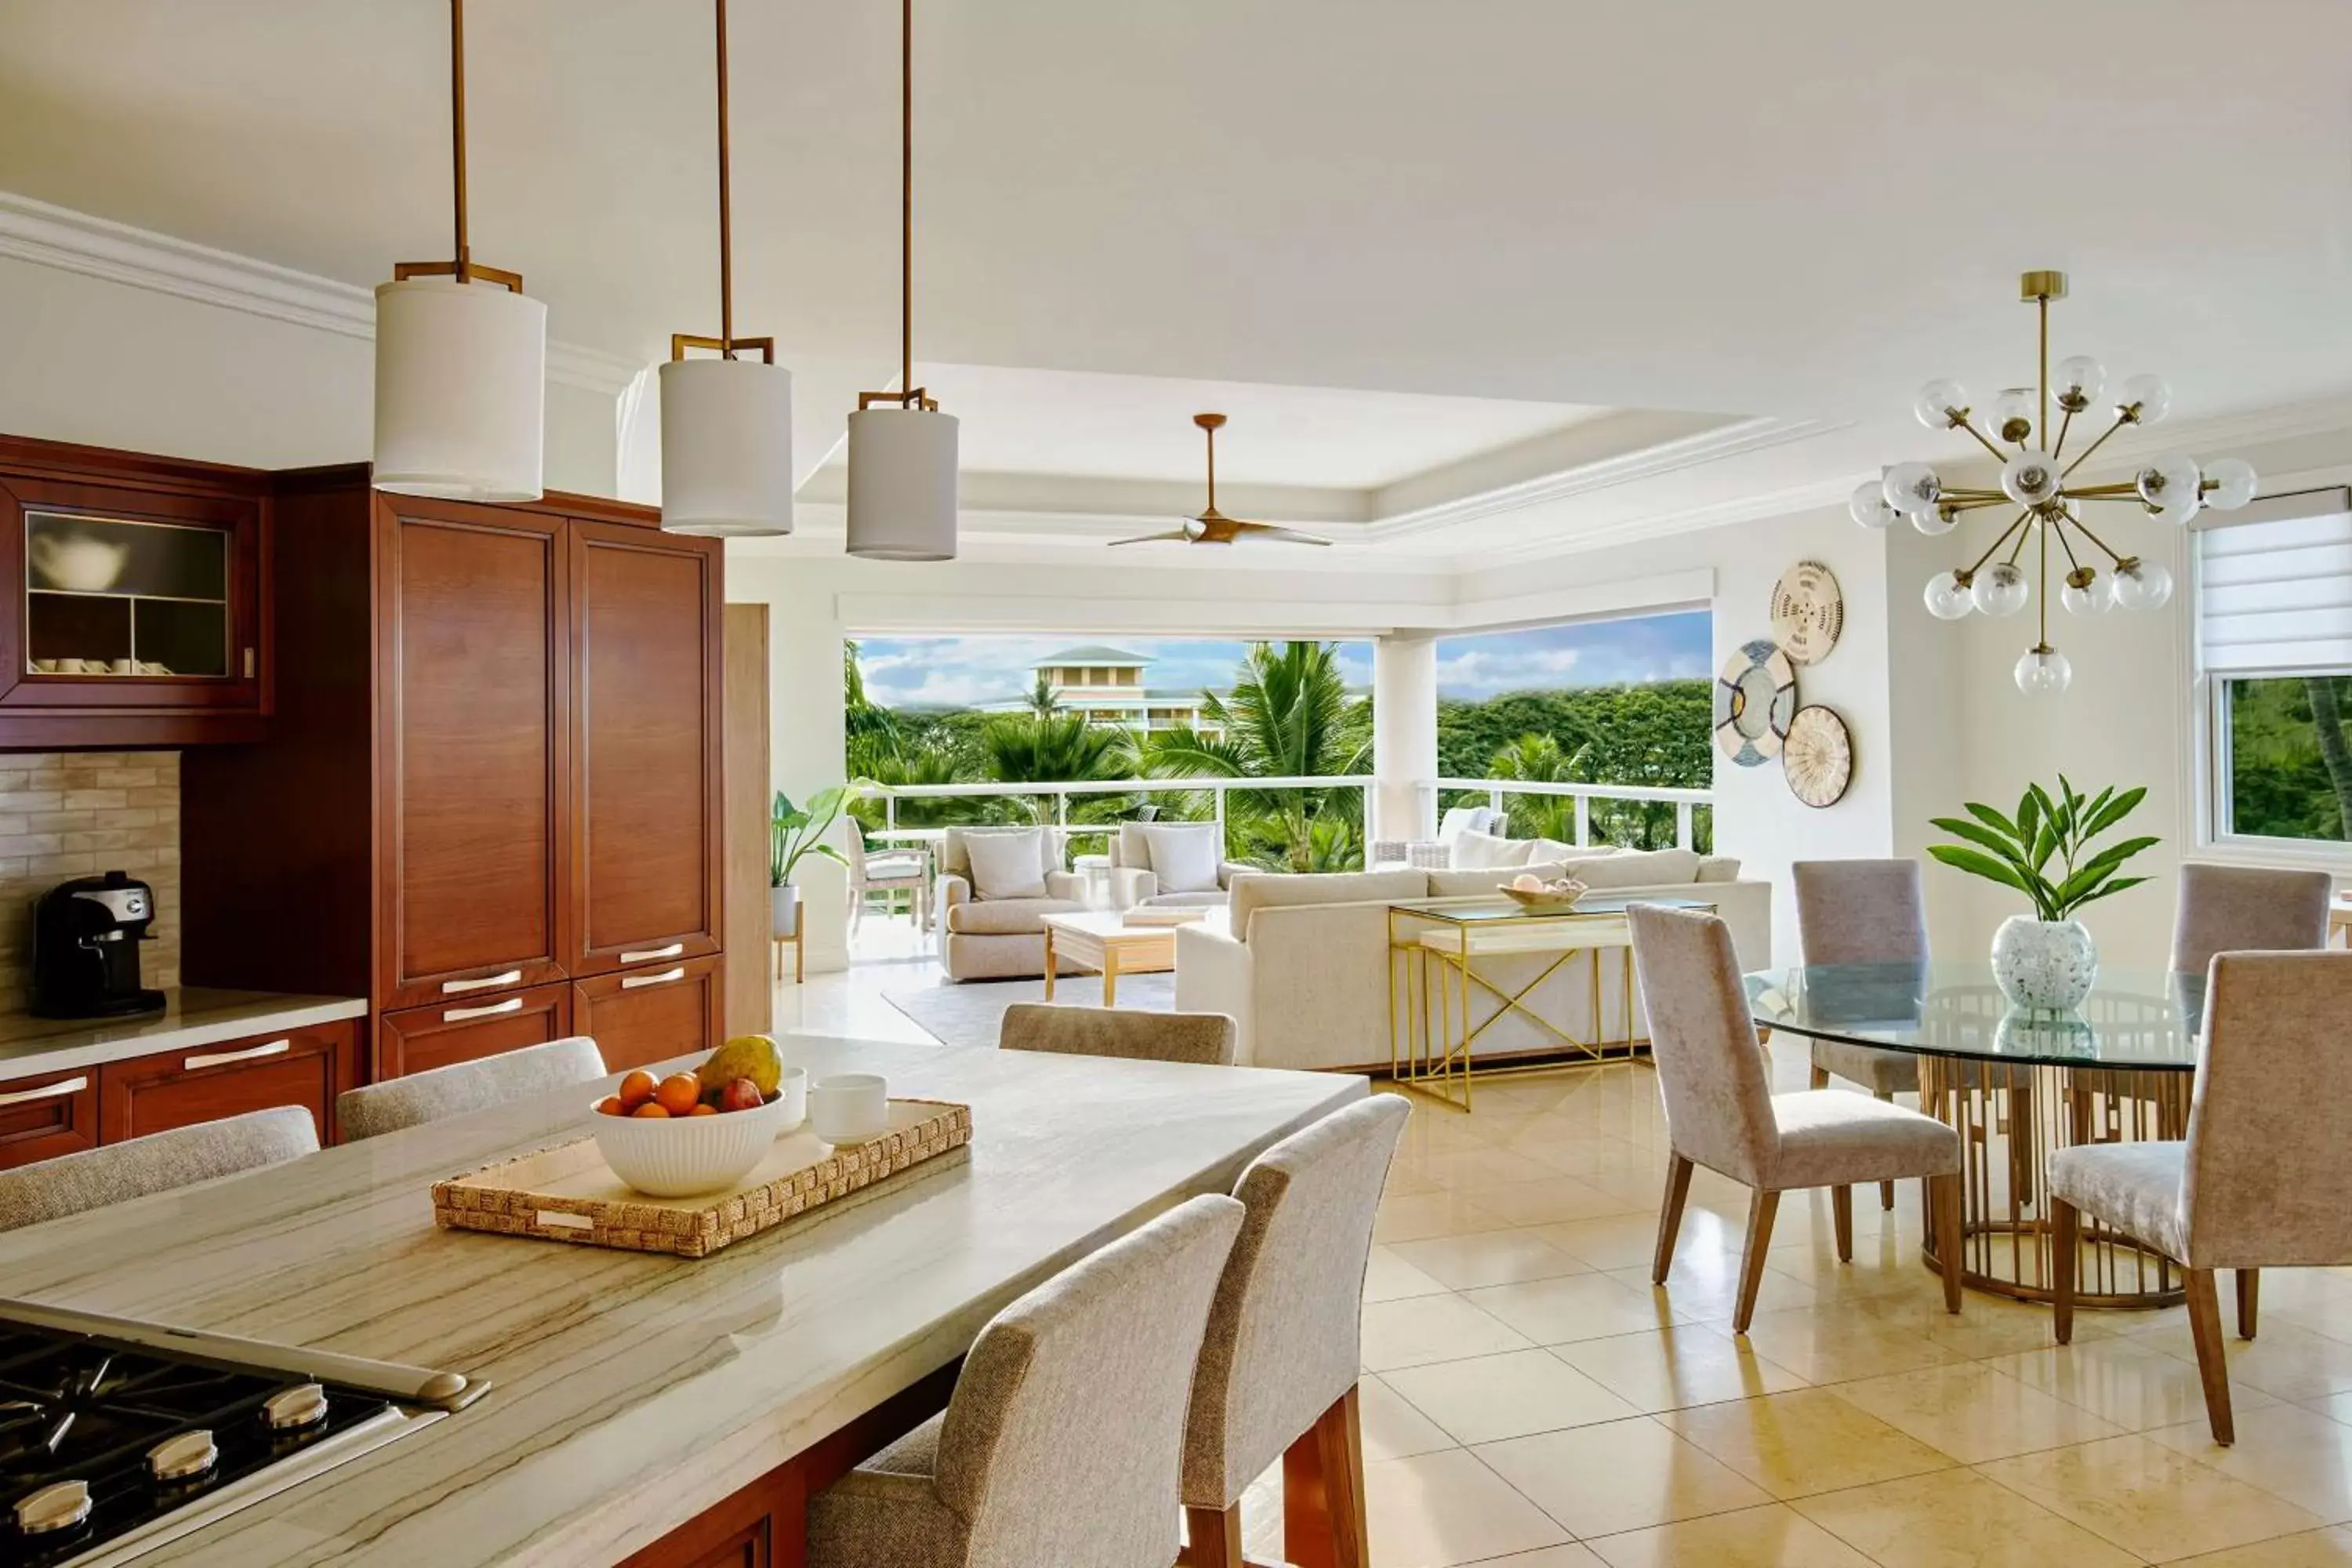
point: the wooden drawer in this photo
(417, 1039)
(44, 1116)
(299, 1066)
(651, 1013)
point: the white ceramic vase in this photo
(2044, 963)
(784, 910)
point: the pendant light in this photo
(725, 423)
(902, 461)
(460, 360)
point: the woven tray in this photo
(569, 1193)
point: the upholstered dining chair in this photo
(2245, 908)
(1279, 1365)
(1063, 1441)
(1207, 1039)
(421, 1097)
(1863, 911)
(1721, 1112)
(117, 1172)
(2260, 1181)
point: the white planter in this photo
(784, 910)
(2044, 963)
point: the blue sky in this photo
(965, 671)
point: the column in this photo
(1404, 734)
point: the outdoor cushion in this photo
(1637, 868)
(1719, 869)
(1215, 901)
(1007, 865)
(1185, 856)
(1474, 850)
(1458, 884)
(1009, 917)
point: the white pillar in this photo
(1404, 734)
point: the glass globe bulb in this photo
(1936, 520)
(2001, 589)
(1869, 506)
(2142, 585)
(2149, 395)
(2094, 597)
(1947, 598)
(2233, 483)
(2030, 478)
(2173, 487)
(2043, 672)
(2080, 379)
(2011, 417)
(1912, 488)
(1938, 402)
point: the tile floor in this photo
(1531, 1401)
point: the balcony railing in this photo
(1061, 794)
(1686, 802)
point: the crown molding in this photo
(89, 247)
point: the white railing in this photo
(1496, 791)
(891, 794)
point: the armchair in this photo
(1003, 938)
(1134, 884)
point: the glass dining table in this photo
(2018, 1084)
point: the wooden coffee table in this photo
(1103, 941)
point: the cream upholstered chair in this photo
(1063, 1438)
(2260, 1181)
(2242, 909)
(1279, 1365)
(1721, 1112)
(1134, 882)
(117, 1172)
(1863, 911)
(421, 1097)
(906, 871)
(1206, 1038)
(1001, 938)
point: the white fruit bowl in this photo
(679, 1156)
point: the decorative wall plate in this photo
(1807, 612)
(1755, 697)
(1818, 756)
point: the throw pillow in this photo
(1475, 851)
(1007, 865)
(1637, 868)
(1183, 855)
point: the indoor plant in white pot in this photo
(793, 833)
(2046, 959)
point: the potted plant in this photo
(794, 832)
(2044, 852)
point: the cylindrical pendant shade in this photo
(902, 484)
(460, 390)
(727, 447)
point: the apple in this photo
(741, 1094)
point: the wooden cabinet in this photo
(417, 1039)
(178, 1088)
(643, 1015)
(47, 1115)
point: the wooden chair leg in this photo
(1761, 1206)
(2212, 1365)
(1670, 1216)
(1821, 1077)
(1841, 1217)
(1323, 1492)
(1951, 1243)
(2250, 1286)
(2065, 1232)
(1887, 1189)
(1213, 1538)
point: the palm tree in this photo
(1059, 748)
(1043, 700)
(1538, 759)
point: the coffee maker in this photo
(86, 937)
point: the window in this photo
(2274, 643)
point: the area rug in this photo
(969, 1013)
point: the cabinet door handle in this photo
(663, 978)
(58, 1091)
(487, 982)
(672, 951)
(250, 1054)
(459, 1014)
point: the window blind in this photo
(2275, 585)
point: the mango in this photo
(754, 1057)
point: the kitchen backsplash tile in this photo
(76, 813)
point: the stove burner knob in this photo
(304, 1404)
(179, 1457)
(60, 1506)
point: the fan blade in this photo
(1176, 534)
(1274, 533)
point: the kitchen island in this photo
(649, 1407)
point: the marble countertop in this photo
(630, 1391)
(193, 1015)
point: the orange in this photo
(611, 1106)
(704, 1110)
(678, 1093)
(652, 1109)
(636, 1089)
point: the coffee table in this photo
(1103, 939)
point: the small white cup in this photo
(792, 1088)
(850, 1106)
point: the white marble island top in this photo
(631, 1391)
(193, 1015)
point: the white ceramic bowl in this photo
(678, 1156)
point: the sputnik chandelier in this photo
(2016, 430)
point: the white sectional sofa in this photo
(1303, 968)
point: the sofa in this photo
(1136, 883)
(1302, 965)
(1001, 937)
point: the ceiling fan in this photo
(1214, 527)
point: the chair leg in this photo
(1323, 1492)
(1761, 1206)
(1670, 1217)
(1887, 1189)
(1213, 1538)
(1821, 1075)
(2250, 1286)
(1841, 1216)
(1944, 1198)
(2212, 1366)
(2065, 1232)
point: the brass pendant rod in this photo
(2065, 424)
(2019, 548)
(907, 197)
(1971, 503)
(2041, 410)
(1978, 564)
(726, 207)
(1983, 441)
(2066, 544)
(2123, 418)
(1211, 431)
(2042, 581)
(2097, 540)
(2123, 490)
(457, 130)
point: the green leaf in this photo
(2111, 890)
(1976, 863)
(2029, 818)
(1975, 834)
(829, 852)
(1994, 820)
(2046, 845)
(2115, 811)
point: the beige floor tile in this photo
(1888, 1267)
(1976, 1413)
(1437, 1509)
(1631, 1240)
(2122, 1380)
(1512, 1395)
(1955, 1519)
(1772, 1537)
(1804, 1441)
(2149, 1498)
(1422, 1329)
(1985, 1326)
(1575, 1307)
(1488, 1257)
(1389, 1277)
(2336, 1407)
(1625, 1475)
(1486, 1166)
(1549, 1557)
(1552, 1200)
(1826, 1342)
(2287, 1450)
(2319, 1549)
(1432, 1213)
(1393, 1428)
(1704, 1288)
(1673, 1368)
(2285, 1362)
